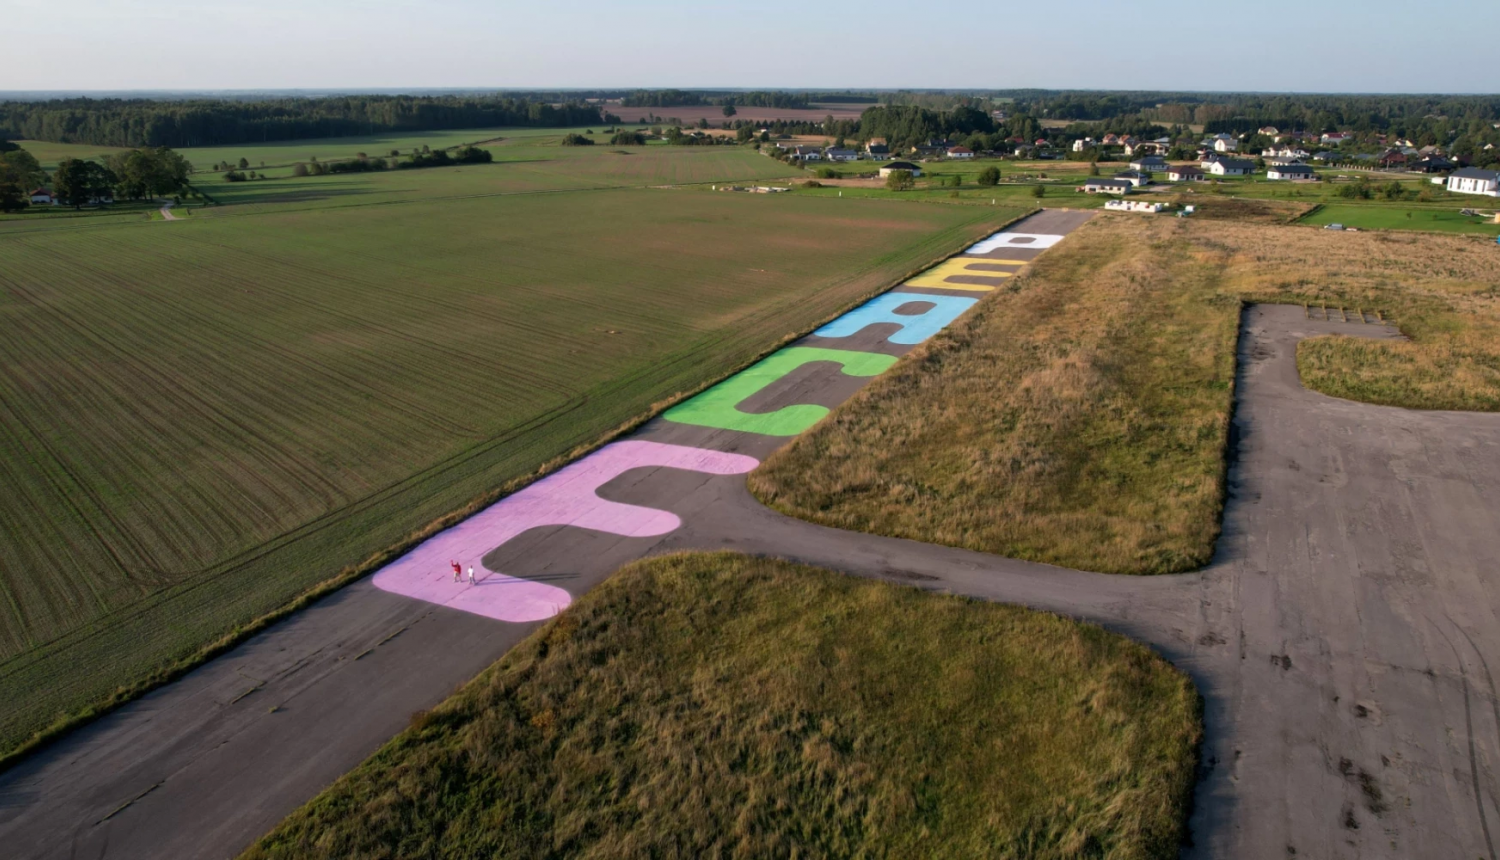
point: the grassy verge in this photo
(720, 705)
(1079, 418)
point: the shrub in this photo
(234, 176)
(576, 140)
(1039, 191)
(299, 169)
(827, 173)
(989, 176)
(900, 180)
(628, 138)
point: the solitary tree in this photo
(244, 163)
(900, 180)
(729, 109)
(1039, 191)
(989, 176)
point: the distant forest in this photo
(215, 122)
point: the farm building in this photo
(1232, 167)
(1290, 171)
(41, 197)
(1106, 186)
(1184, 174)
(960, 152)
(1136, 178)
(888, 169)
(1472, 180)
(1149, 164)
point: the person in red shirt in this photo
(457, 571)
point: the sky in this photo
(1366, 46)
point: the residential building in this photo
(1431, 164)
(1082, 143)
(960, 152)
(1208, 158)
(41, 197)
(1096, 185)
(807, 153)
(1472, 180)
(1291, 171)
(1225, 143)
(1232, 167)
(877, 150)
(1184, 174)
(1149, 164)
(888, 169)
(833, 154)
(1334, 138)
(1268, 130)
(1135, 177)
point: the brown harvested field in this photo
(718, 705)
(1080, 416)
(715, 114)
(202, 422)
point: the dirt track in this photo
(1341, 637)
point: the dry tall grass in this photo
(1077, 418)
(717, 706)
(1080, 417)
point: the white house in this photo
(900, 165)
(1290, 171)
(960, 152)
(1334, 138)
(1106, 186)
(1472, 180)
(41, 197)
(1291, 153)
(1225, 143)
(1135, 178)
(841, 155)
(1208, 160)
(1232, 167)
(1184, 174)
(1082, 143)
(1149, 164)
(807, 153)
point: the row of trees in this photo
(216, 122)
(137, 174)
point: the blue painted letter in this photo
(914, 329)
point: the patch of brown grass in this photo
(716, 705)
(1077, 418)
(1080, 417)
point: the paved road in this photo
(1341, 637)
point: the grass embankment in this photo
(1080, 416)
(207, 418)
(1077, 418)
(716, 705)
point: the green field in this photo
(208, 417)
(715, 705)
(1372, 216)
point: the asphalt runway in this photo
(1340, 637)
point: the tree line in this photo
(216, 122)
